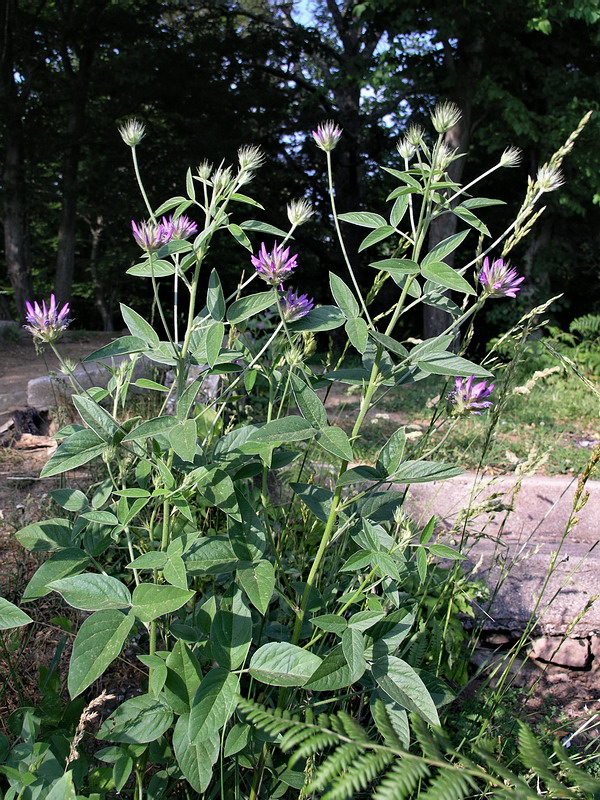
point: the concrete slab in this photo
(516, 539)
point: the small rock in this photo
(595, 651)
(573, 653)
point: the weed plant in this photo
(276, 596)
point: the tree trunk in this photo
(99, 296)
(65, 256)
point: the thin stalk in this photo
(141, 184)
(341, 239)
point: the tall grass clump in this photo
(274, 595)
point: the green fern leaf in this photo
(401, 780)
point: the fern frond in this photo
(352, 728)
(384, 724)
(335, 763)
(450, 784)
(358, 777)
(588, 325)
(313, 745)
(533, 758)
(401, 780)
(418, 648)
(578, 777)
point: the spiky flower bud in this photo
(406, 149)
(511, 157)
(549, 178)
(132, 132)
(250, 158)
(299, 211)
(204, 170)
(445, 116)
(327, 135)
(414, 135)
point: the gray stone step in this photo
(515, 536)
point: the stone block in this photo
(572, 653)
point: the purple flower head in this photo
(178, 227)
(499, 279)
(47, 322)
(327, 135)
(295, 306)
(276, 266)
(151, 235)
(466, 397)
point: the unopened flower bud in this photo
(299, 211)
(132, 132)
(250, 158)
(445, 116)
(511, 157)
(406, 149)
(414, 135)
(204, 170)
(327, 135)
(549, 178)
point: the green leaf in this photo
(399, 680)
(283, 664)
(343, 296)
(443, 275)
(146, 383)
(99, 420)
(389, 344)
(63, 564)
(98, 642)
(137, 721)
(443, 551)
(217, 488)
(120, 347)
(316, 498)
(388, 634)
(285, 429)
(399, 210)
(332, 674)
(363, 218)
(195, 756)
(258, 581)
(335, 441)
(150, 428)
(309, 403)
(211, 555)
(250, 306)
(471, 219)
(423, 471)
(215, 300)
(398, 718)
(50, 534)
(323, 318)
(175, 573)
(11, 615)
(237, 739)
(75, 451)
(231, 630)
(70, 499)
(63, 789)
(376, 236)
(138, 327)
(157, 269)
(358, 333)
(183, 438)
(92, 592)
(256, 226)
(438, 298)
(214, 703)
(243, 198)
(214, 342)
(183, 678)
(397, 266)
(240, 237)
(353, 647)
(332, 623)
(392, 451)
(152, 560)
(151, 601)
(444, 248)
(363, 620)
(449, 364)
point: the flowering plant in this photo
(237, 566)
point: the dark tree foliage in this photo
(207, 77)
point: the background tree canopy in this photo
(207, 77)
